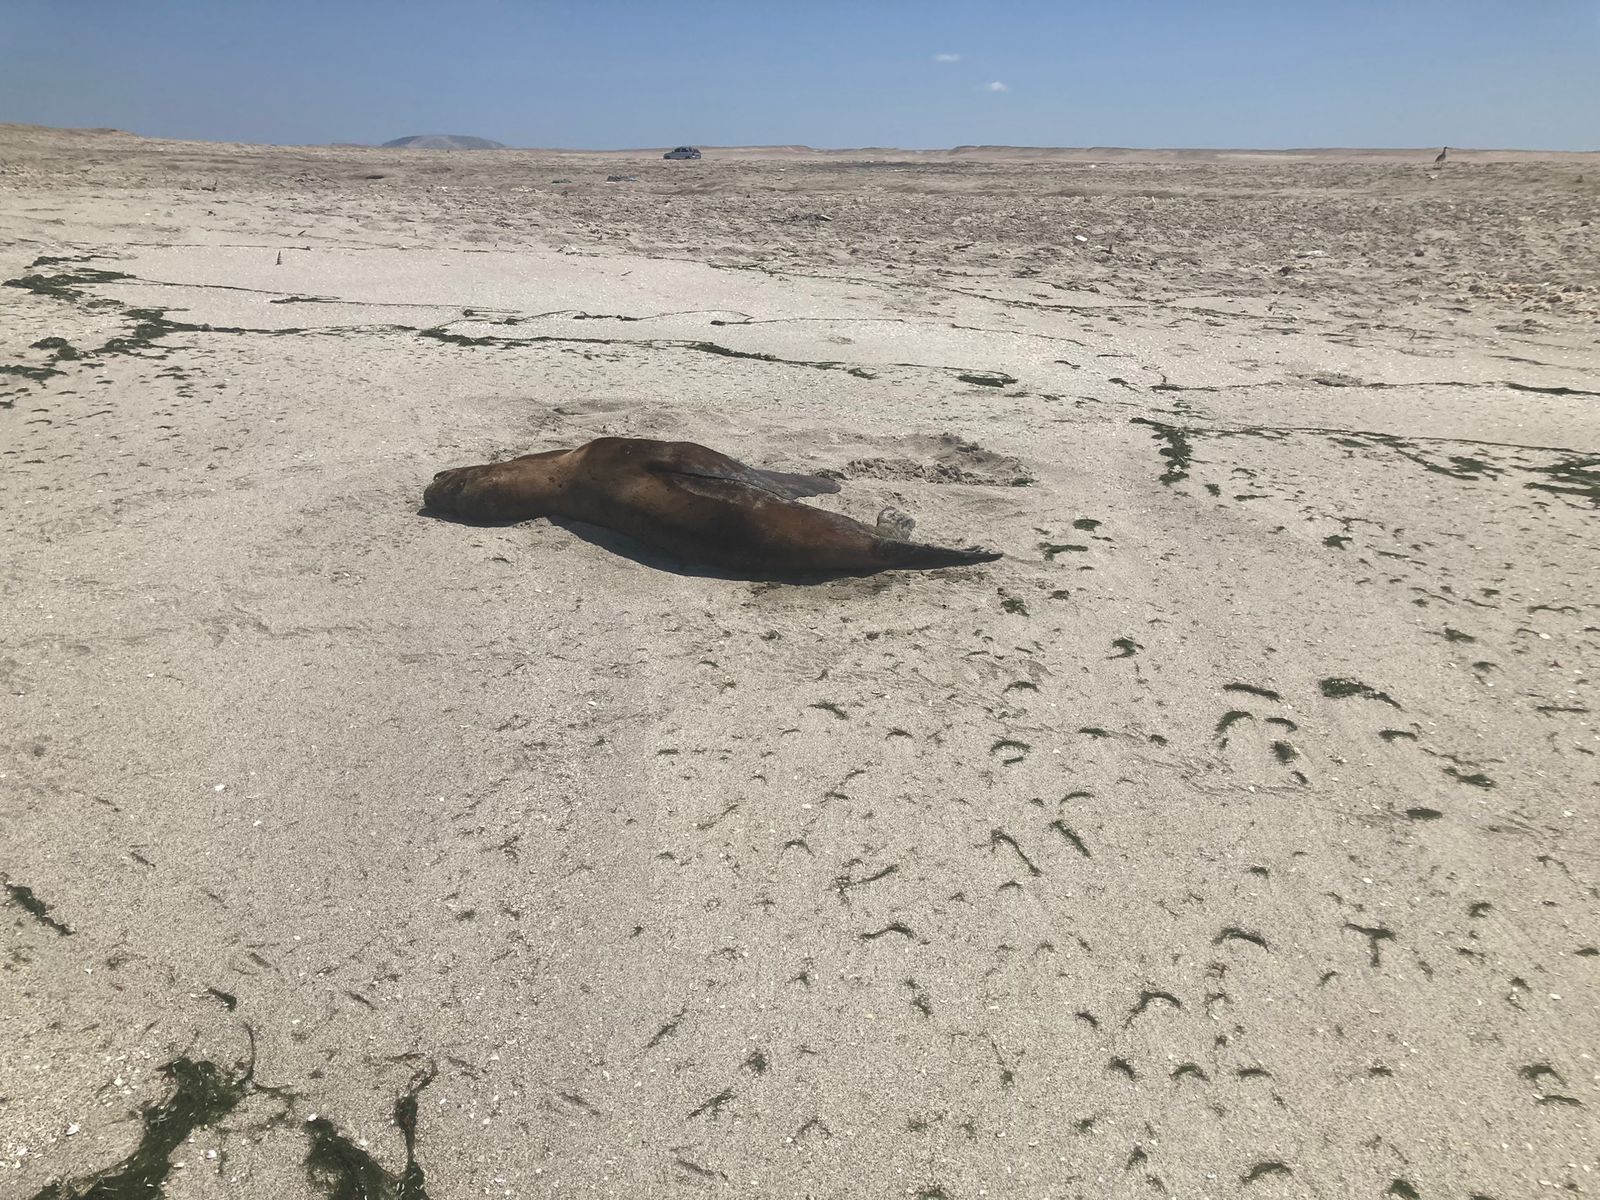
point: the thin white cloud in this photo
(947, 58)
(995, 86)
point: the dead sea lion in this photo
(692, 502)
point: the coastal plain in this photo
(1234, 835)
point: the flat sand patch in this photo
(1235, 834)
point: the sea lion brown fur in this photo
(692, 502)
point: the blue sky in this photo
(633, 73)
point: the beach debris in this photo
(987, 378)
(622, 179)
(812, 218)
(62, 349)
(24, 898)
(202, 1094)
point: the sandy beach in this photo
(1234, 835)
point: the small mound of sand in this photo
(954, 460)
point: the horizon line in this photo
(804, 147)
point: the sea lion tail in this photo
(914, 556)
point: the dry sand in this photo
(1234, 836)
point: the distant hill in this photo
(442, 141)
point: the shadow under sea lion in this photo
(691, 502)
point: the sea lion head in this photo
(516, 490)
(444, 493)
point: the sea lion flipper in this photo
(727, 488)
(793, 487)
(914, 556)
(695, 461)
(776, 483)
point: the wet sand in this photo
(1235, 835)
